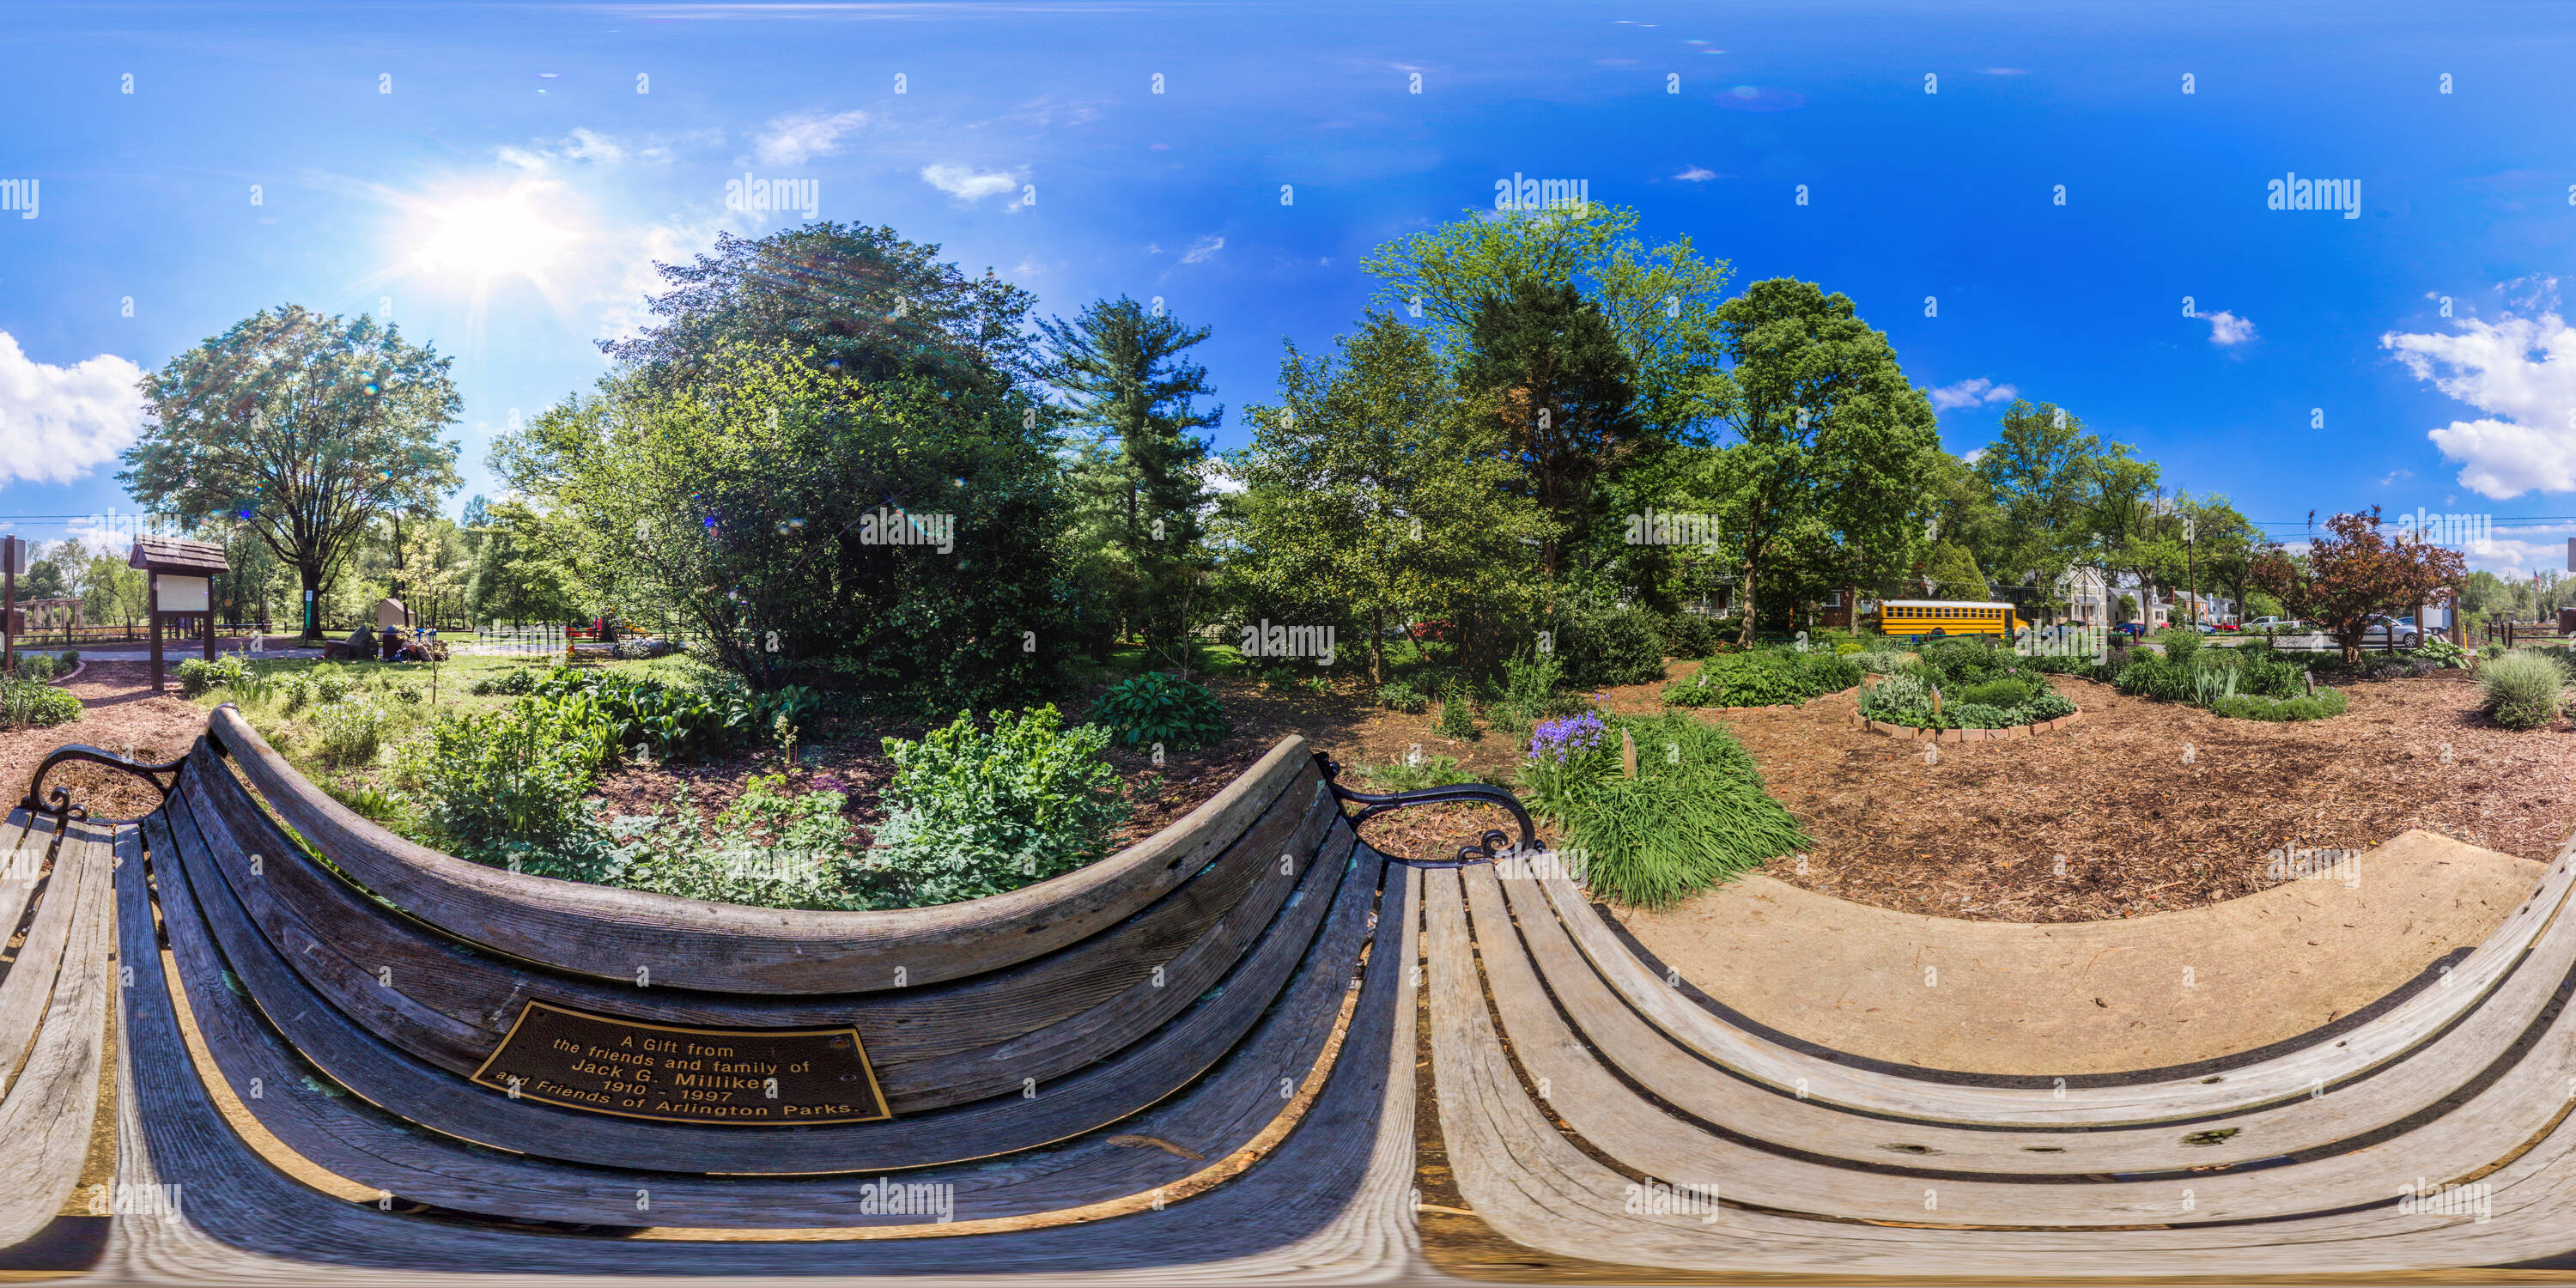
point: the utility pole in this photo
(2191, 569)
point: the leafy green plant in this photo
(1400, 696)
(770, 848)
(505, 787)
(36, 667)
(331, 683)
(1158, 707)
(2522, 689)
(197, 676)
(1434, 771)
(1607, 647)
(2180, 644)
(2324, 704)
(70, 659)
(1689, 635)
(971, 813)
(28, 704)
(1695, 814)
(2002, 691)
(349, 732)
(2440, 651)
(1457, 717)
(1764, 677)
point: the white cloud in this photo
(2227, 329)
(59, 423)
(1153, 248)
(1696, 174)
(966, 184)
(793, 140)
(1969, 393)
(2395, 475)
(584, 145)
(1974, 456)
(2522, 372)
(1203, 250)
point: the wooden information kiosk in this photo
(181, 576)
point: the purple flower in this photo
(1559, 740)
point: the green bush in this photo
(349, 733)
(2439, 650)
(1457, 718)
(36, 667)
(1605, 648)
(26, 704)
(1906, 699)
(71, 658)
(1694, 816)
(330, 682)
(1689, 635)
(971, 813)
(197, 676)
(2522, 689)
(517, 681)
(505, 787)
(2004, 691)
(770, 849)
(1157, 707)
(2251, 706)
(1764, 677)
(1400, 696)
(2179, 644)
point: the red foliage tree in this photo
(2355, 573)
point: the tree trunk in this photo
(311, 575)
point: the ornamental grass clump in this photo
(1694, 816)
(2522, 689)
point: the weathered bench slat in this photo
(21, 849)
(1072, 1104)
(2416, 1085)
(604, 932)
(420, 1010)
(53, 1098)
(1226, 1109)
(2385, 1038)
(1328, 1205)
(2469, 1139)
(31, 975)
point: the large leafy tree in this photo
(1372, 498)
(301, 427)
(1546, 371)
(2354, 571)
(510, 576)
(1832, 445)
(2038, 471)
(1140, 481)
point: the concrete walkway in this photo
(2088, 997)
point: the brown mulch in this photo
(118, 716)
(2154, 806)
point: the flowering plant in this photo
(1563, 740)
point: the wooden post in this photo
(8, 601)
(210, 628)
(152, 609)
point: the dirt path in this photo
(117, 714)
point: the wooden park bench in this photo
(344, 1053)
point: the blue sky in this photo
(505, 199)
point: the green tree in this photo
(302, 427)
(1546, 371)
(2039, 470)
(1955, 575)
(510, 576)
(1831, 443)
(1372, 498)
(1139, 507)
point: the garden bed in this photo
(2144, 829)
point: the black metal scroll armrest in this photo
(62, 811)
(1487, 850)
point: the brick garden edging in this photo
(1859, 721)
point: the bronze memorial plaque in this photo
(751, 1077)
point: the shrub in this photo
(71, 658)
(971, 813)
(2006, 691)
(2180, 645)
(1689, 635)
(1906, 699)
(330, 682)
(1157, 707)
(1604, 648)
(2440, 651)
(2522, 689)
(197, 676)
(2491, 651)
(27, 704)
(770, 849)
(1456, 720)
(349, 733)
(517, 681)
(505, 787)
(294, 693)
(1694, 816)
(36, 667)
(1400, 696)
(2249, 706)
(1763, 677)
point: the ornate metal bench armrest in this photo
(62, 811)
(1486, 850)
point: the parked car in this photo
(2133, 630)
(2382, 629)
(2276, 624)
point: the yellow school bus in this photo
(1947, 617)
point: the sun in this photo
(489, 237)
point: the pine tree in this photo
(1139, 503)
